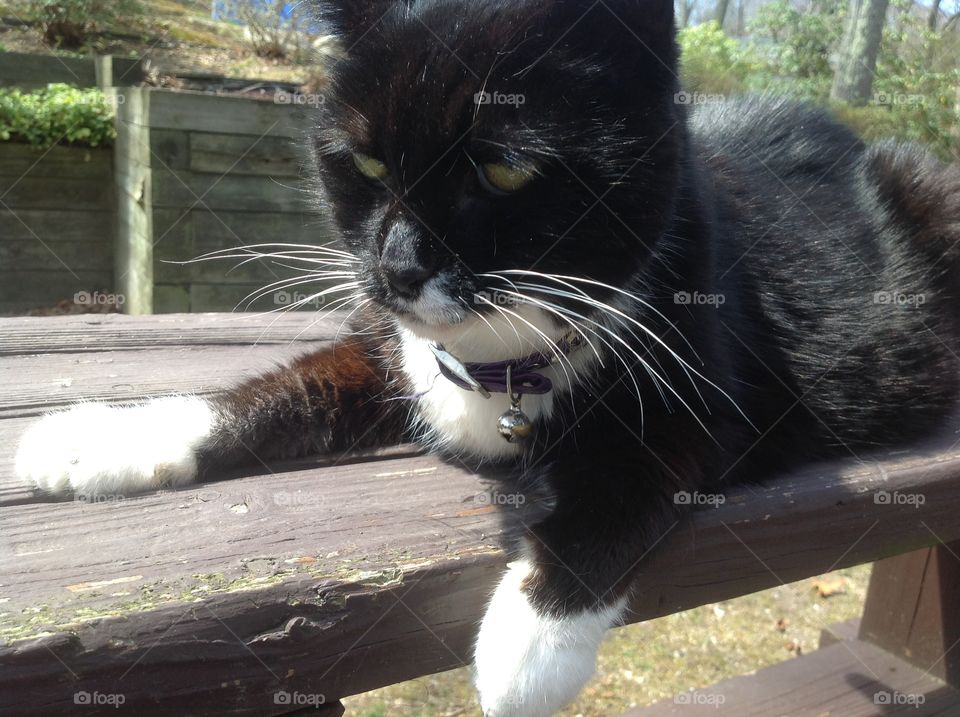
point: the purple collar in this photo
(520, 375)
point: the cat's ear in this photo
(351, 20)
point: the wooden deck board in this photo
(336, 576)
(847, 679)
(102, 332)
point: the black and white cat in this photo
(570, 281)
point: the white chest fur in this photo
(463, 422)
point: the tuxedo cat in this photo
(565, 278)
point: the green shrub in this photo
(918, 80)
(793, 46)
(712, 62)
(915, 87)
(57, 114)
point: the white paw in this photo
(95, 449)
(530, 665)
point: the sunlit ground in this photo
(644, 663)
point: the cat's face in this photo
(464, 138)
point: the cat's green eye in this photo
(505, 178)
(369, 167)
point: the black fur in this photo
(838, 263)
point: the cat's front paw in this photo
(532, 665)
(95, 449)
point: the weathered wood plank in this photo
(55, 226)
(245, 155)
(315, 596)
(11, 489)
(912, 609)
(236, 193)
(171, 298)
(231, 296)
(58, 380)
(19, 69)
(19, 160)
(31, 255)
(852, 679)
(334, 578)
(304, 226)
(32, 192)
(78, 334)
(200, 112)
(170, 147)
(182, 236)
(24, 290)
(132, 187)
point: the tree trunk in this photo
(722, 6)
(853, 79)
(686, 6)
(934, 18)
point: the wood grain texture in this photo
(245, 155)
(848, 679)
(19, 69)
(912, 609)
(172, 189)
(60, 226)
(55, 193)
(57, 225)
(32, 255)
(133, 191)
(21, 291)
(201, 112)
(18, 160)
(335, 576)
(79, 334)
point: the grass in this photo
(641, 664)
(177, 36)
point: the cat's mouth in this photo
(428, 314)
(432, 308)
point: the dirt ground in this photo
(644, 663)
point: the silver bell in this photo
(515, 425)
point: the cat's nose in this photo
(405, 262)
(406, 279)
